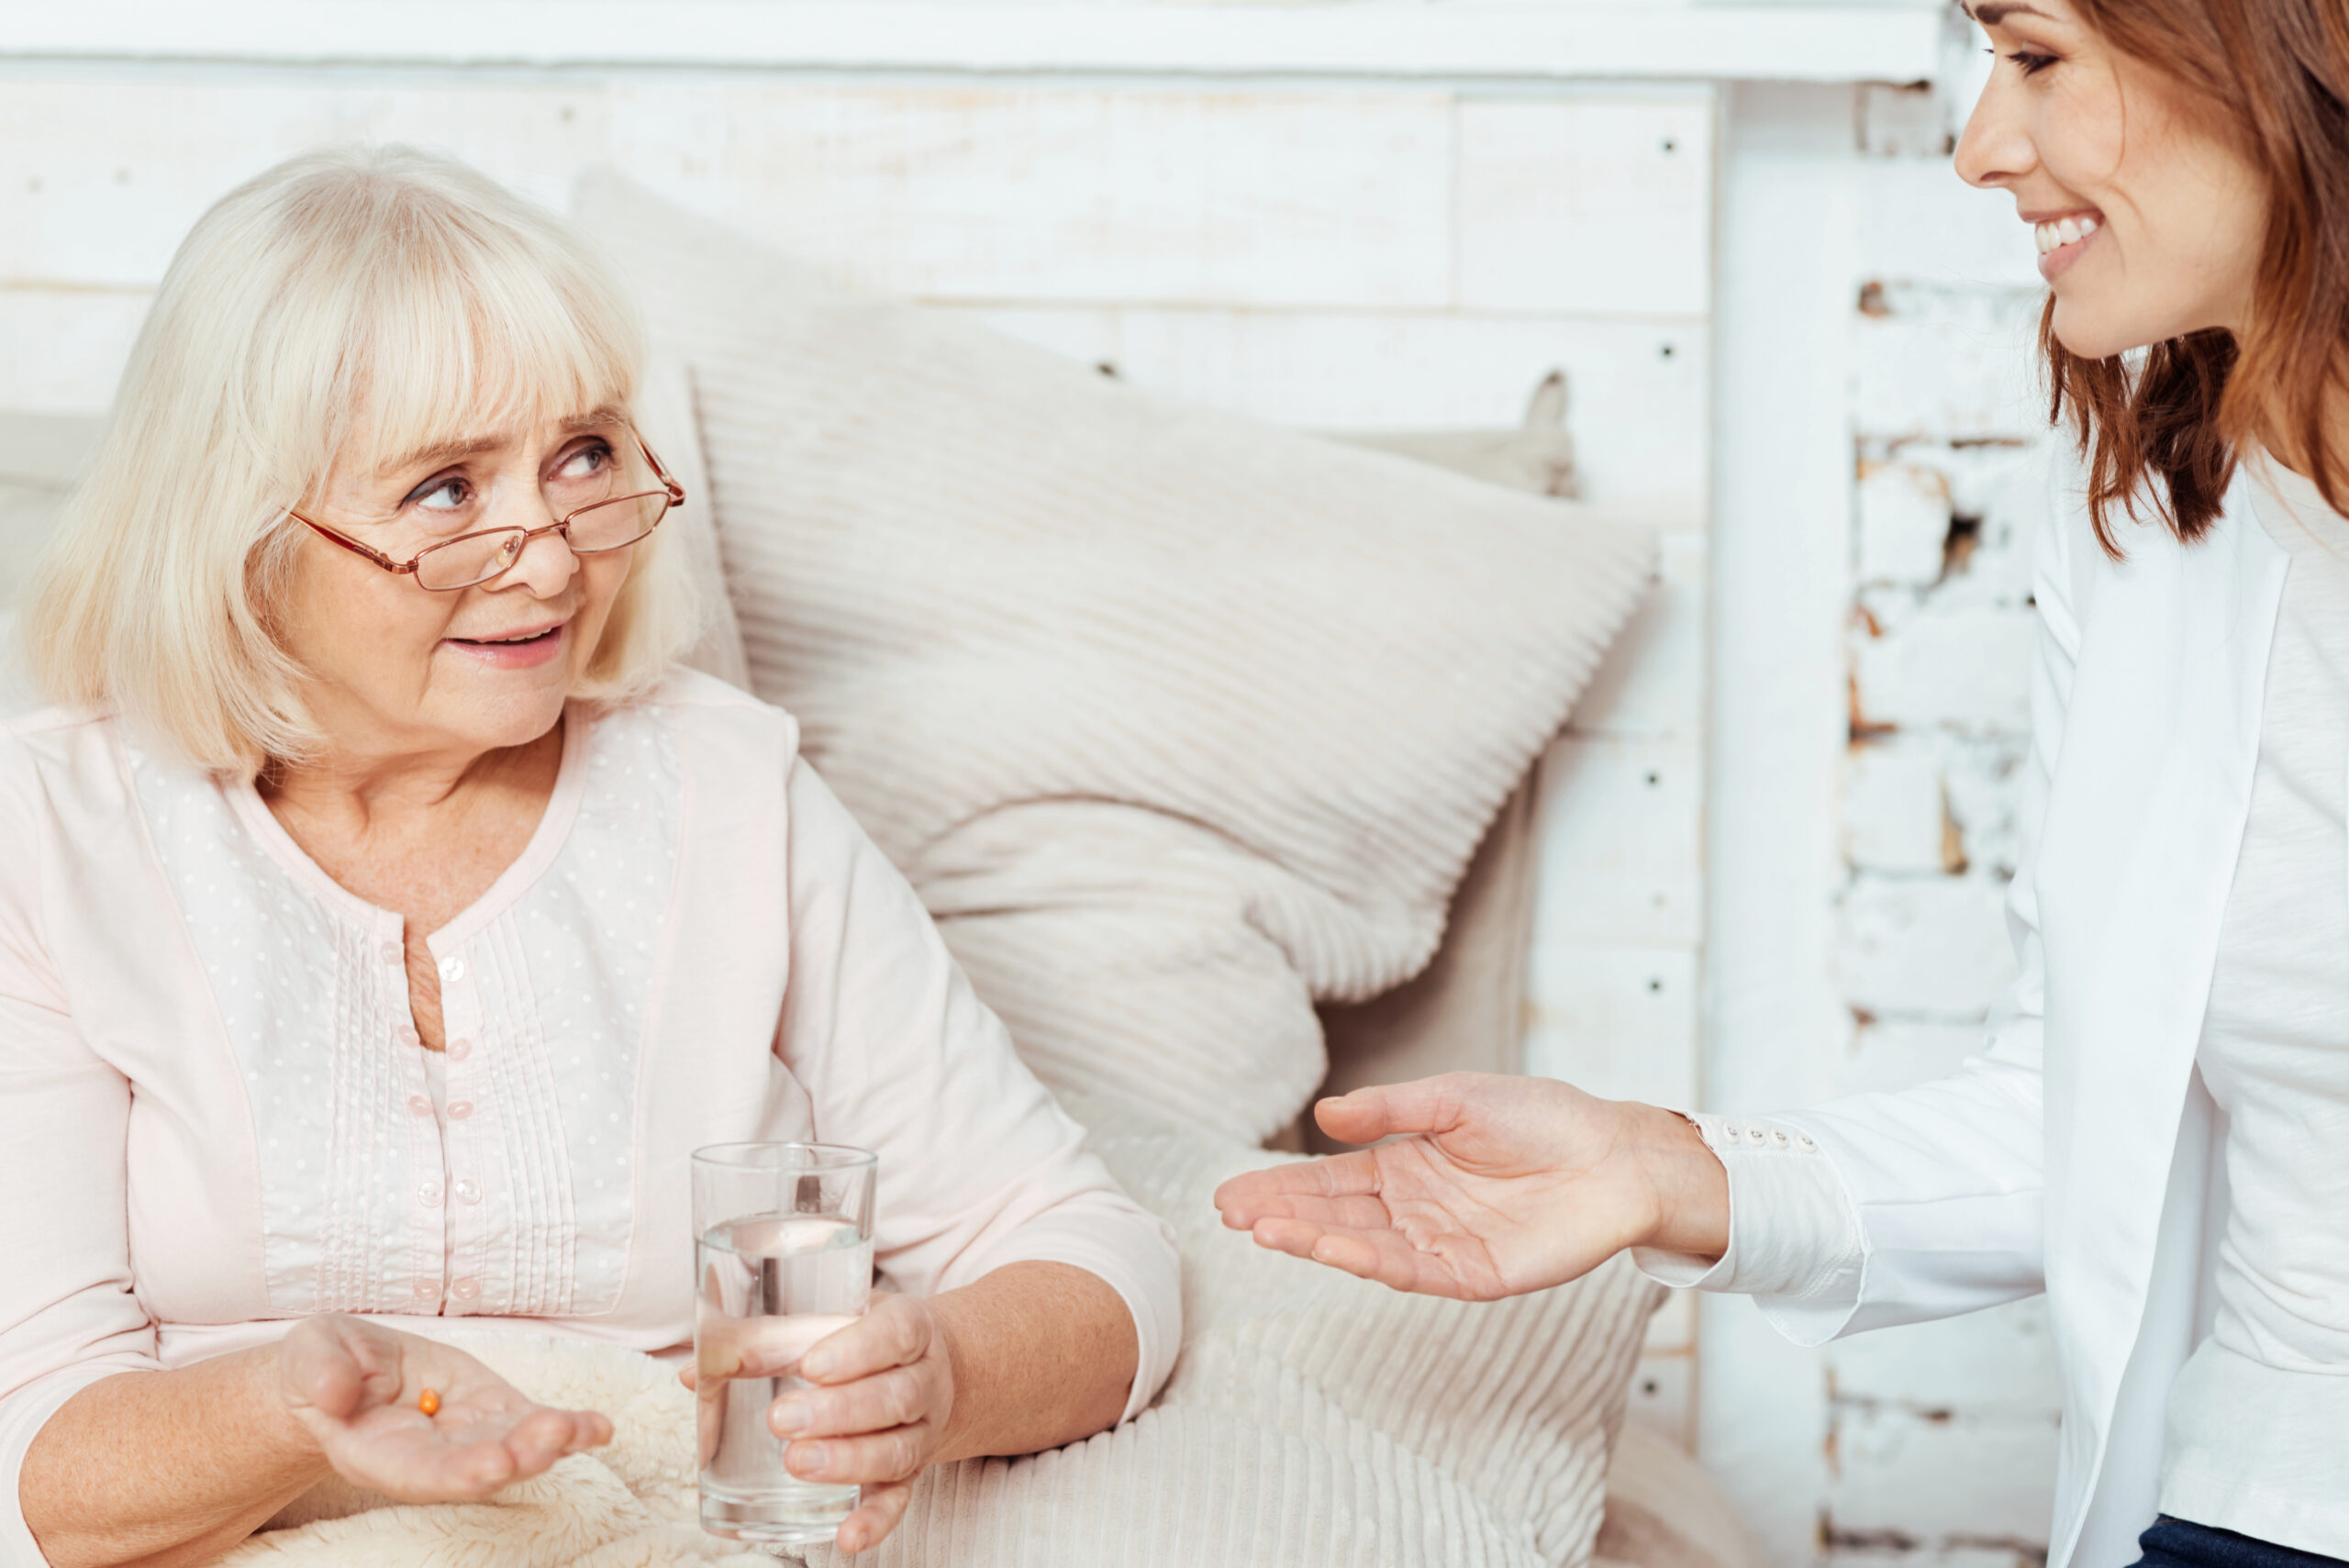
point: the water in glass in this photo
(771, 1285)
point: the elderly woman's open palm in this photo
(1492, 1186)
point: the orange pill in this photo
(429, 1402)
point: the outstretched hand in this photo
(1494, 1187)
(357, 1386)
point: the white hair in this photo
(344, 306)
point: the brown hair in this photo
(2274, 75)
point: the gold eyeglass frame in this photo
(670, 489)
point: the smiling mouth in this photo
(522, 640)
(2069, 230)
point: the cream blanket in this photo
(1313, 1420)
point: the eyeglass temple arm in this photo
(352, 545)
(668, 481)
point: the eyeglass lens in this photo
(461, 563)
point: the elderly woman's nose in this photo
(546, 566)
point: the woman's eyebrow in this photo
(440, 452)
(1990, 13)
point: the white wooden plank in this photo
(100, 181)
(1620, 1022)
(63, 351)
(1256, 197)
(1639, 414)
(1663, 1396)
(1672, 1330)
(1621, 860)
(1586, 204)
(1395, 39)
(1653, 681)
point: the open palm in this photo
(357, 1386)
(1496, 1186)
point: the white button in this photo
(424, 1288)
(419, 1104)
(460, 1110)
(429, 1195)
(1729, 1132)
(406, 1034)
(1754, 1135)
(466, 1191)
(1778, 1137)
(464, 1289)
(392, 952)
(1808, 1142)
(453, 969)
(460, 1048)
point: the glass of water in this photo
(782, 1256)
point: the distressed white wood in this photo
(1261, 197)
(1620, 861)
(1651, 682)
(100, 181)
(1781, 556)
(1618, 1021)
(1586, 204)
(1663, 1396)
(62, 351)
(1637, 413)
(1466, 39)
(1673, 1331)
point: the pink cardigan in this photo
(214, 1118)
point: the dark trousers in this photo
(2175, 1544)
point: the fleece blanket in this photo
(1314, 1422)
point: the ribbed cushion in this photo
(1179, 722)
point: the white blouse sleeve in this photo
(1925, 1202)
(68, 1316)
(1794, 1233)
(979, 1166)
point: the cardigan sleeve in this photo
(1928, 1201)
(979, 1166)
(68, 1316)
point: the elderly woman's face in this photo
(398, 668)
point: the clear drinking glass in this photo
(782, 1257)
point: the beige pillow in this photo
(1179, 722)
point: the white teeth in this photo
(2061, 231)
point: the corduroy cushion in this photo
(1178, 722)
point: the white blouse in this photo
(215, 1118)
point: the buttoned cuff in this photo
(1794, 1232)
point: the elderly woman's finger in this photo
(878, 1512)
(897, 1397)
(895, 1333)
(896, 1454)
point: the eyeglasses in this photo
(612, 523)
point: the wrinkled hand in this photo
(876, 1415)
(355, 1385)
(1500, 1186)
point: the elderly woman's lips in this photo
(512, 652)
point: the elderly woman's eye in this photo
(442, 495)
(586, 462)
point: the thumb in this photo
(322, 1369)
(1365, 1115)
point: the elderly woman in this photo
(384, 920)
